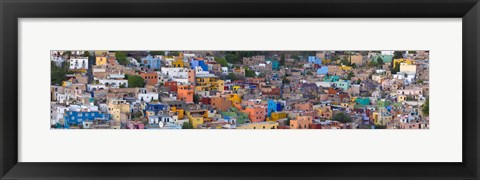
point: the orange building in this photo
(301, 122)
(256, 114)
(151, 78)
(185, 93)
(221, 103)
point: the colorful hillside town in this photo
(100, 89)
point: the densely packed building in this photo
(239, 90)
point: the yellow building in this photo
(101, 53)
(66, 83)
(275, 116)
(221, 85)
(120, 104)
(325, 112)
(259, 125)
(407, 61)
(115, 113)
(180, 112)
(346, 68)
(100, 60)
(345, 105)
(375, 117)
(178, 63)
(401, 98)
(195, 119)
(235, 98)
(236, 88)
(352, 99)
(207, 83)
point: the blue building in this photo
(155, 107)
(151, 62)
(331, 78)
(322, 70)
(77, 117)
(344, 84)
(314, 60)
(275, 65)
(194, 63)
(273, 106)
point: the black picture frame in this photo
(11, 10)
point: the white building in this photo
(408, 78)
(148, 97)
(411, 91)
(79, 63)
(95, 87)
(58, 60)
(387, 52)
(225, 70)
(134, 62)
(114, 82)
(63, 98)
(56, 113)
(324, 84)
(181, 73)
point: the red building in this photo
(171, 85)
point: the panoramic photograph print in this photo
(166, 89)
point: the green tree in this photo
(231, 58)
(378, 126)
(287, 122)
(86, 54)
(345, 62)
(196, 98)
(295, 57)
(359, 81)
(187, 125)
(249, 73)
(157, 53)
(426, 108)
(285, 80)
(222, 61)
(136, 81)
(174, 53)
(282, 60)
(58, 74)
(354, 66)
(342, 117)
(350, 75)
(121, 56)
(372, 63)
(379, 61)
(396, 68)
(397, 54)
